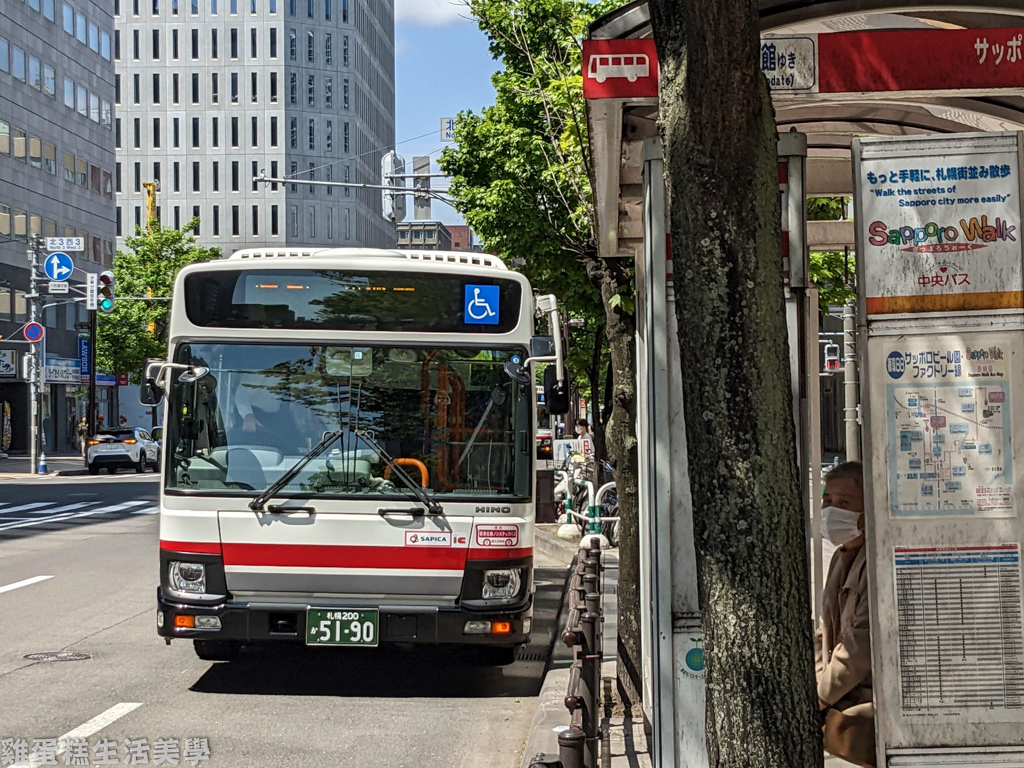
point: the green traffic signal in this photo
(105, 298)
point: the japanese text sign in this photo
(939, 223)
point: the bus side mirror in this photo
(556, 397)
(150, 393)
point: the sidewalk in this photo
(623, 742)
(61, 464)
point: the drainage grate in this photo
(58, 656)
(531, 656)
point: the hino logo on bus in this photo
(494, 510)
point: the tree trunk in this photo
(719, 134)
(615, 278)
(594, 377)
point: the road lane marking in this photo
(24, 507)
(147, 511)
(25, 583)
(65, 508)
(66, 515)
(98, 723)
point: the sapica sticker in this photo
(497, 535)
(428, 538)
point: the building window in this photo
(234, 221)
(69, 92)
(174, 88)
(273, 6)
(273, 173)
(328, 54)
(136, 89)
(254, 130)
(345, 139)
(293, 173)
(234, 176)
(311, 90)
(175, 125)
(195, 87)
(234, 87)
(293, 84)
(312, 223)
(214, 50)
(135, 44)
(69, 19)
(174, 44)
(310, 48)
(273, 42)
(329, 137)
(234, 43)
(138, 177)
(328, 95)
(255, 220)
(195, 215)
(252, 85)
(195, 176)
(252, 43)
(214, 88)
(216, 131)
(156, 132)
(344, 51)
(273, 87)
(329, 171)
(291, 45)
(176, 178)
(294, 136)
(195, 44)
(156, 87)
(327, 10)
(312, 134)
(137, 133)
(215, 177)
(156, 45)
(344, 93)
(195, 133)
(234, 132)
(347, 178)
(273, 132)
(49, 81)
(273, 220)
(216, 221)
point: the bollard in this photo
(571, 744)
(592, 595)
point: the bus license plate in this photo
(341, 627)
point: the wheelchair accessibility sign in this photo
(482, 304)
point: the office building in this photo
(424, 236)
(211, 93)
(56, 179)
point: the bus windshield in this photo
(451, 417)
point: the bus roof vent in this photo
(469, 258)
(310, 253)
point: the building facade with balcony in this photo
(424, 236)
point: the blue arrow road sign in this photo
(33, 332)
(59, 266)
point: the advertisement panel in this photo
(939, 223)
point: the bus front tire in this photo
(217, 650)
(497, 657)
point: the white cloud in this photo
(430, 13)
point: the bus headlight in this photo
(501, 584)
(187, 577)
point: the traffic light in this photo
(831, 358)
(106, 292)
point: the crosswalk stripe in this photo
(147, 511)
(65, 508)
(23, 507)
(117, 507)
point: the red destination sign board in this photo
(620, 69)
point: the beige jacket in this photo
(844, 677)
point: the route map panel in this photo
(949, 426)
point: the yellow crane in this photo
(151, 187)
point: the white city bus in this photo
(349, 450)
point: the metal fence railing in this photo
(578, 744)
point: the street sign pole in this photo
(92, 374)
(35, 364)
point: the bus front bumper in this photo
(263, 621)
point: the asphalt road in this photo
(83, 579)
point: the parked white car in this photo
(128, 447)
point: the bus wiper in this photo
(433, 507)
(257, 504)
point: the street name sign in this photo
(73, 244)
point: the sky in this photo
(441, 68)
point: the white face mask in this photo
(839, 525)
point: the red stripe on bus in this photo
(340, 556)
(201, 547)
(500, 553)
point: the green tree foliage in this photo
(833, 272)
(124, 338)
(520, 174)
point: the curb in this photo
(553, 546)
(71, 472)
(552, 717)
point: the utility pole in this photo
(36, 363)
(851, 409)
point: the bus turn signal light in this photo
(186, 622)
(501, 627)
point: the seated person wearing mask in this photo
(845, 694)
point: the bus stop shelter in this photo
(838, 70)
